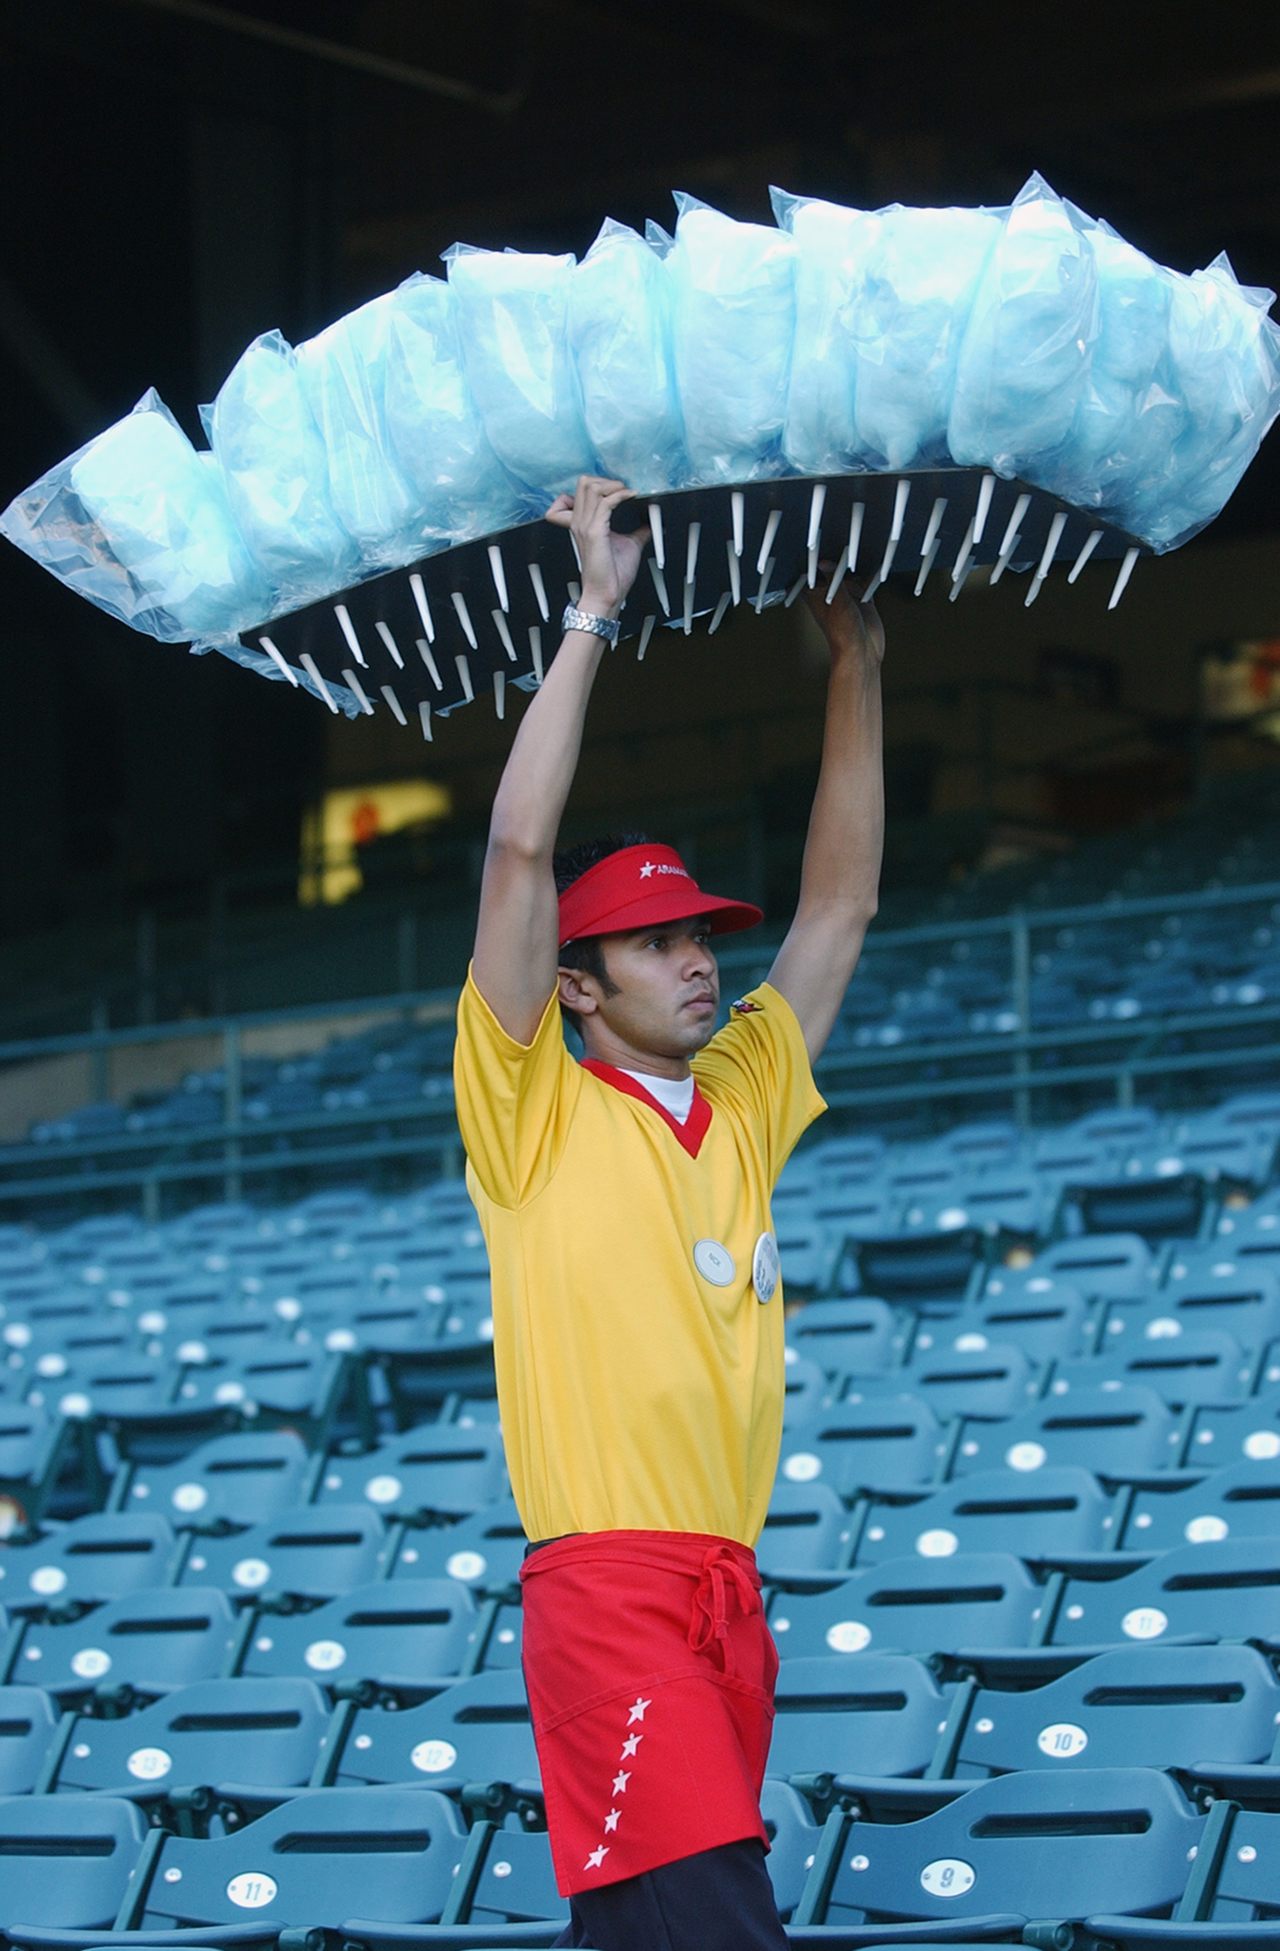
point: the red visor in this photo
(641, 887)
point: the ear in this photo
(578, 991)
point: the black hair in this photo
(587, 953)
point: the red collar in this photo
(694, 1129)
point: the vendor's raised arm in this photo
(840, 878)
(516, 934)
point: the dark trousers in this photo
(719, 1900)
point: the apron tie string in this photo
(722, 1571)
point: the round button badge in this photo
(765, 1267)
(714, 1262)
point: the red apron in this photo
(650, 1672)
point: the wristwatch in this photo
(595, 626)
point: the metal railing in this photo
(1024, 1068)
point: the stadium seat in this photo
(1114, 1432)
(1181, 1369)
(474, 1732)
(265, 1733)
(302, 1389)
(388, 1852)
(990, 1382)
(149, 1641)
(437, 1472)
(793, 1842)
(1241, 1500)
(844, 1336)
(1044, 1321)
(878, 1717)
(1210, 1591)
(413, 1633)
(28, 1724)
(1228, 1434)
(95, 1558)
(883, 1442)
(1206, 1288)
(35, 1447)
(808, 1389)
(1037, 1844)
(312, 1553)
(1141, 1198)
(1100, 1265)
(233, 1480)
(806, 1529)
(913, 1605)
(67, 1862)
(483, 1552)
(1137, 1706)
(912, 1269)
(1051, 1514)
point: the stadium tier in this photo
(260, 1585)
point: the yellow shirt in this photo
(639, 1389)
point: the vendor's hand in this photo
(847, 624)
(609, 561)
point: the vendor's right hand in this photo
(609, 561)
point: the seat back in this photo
(1036, 1844)
(477, 1730)
(236, 1480)
(410, 1632)
(311, 1553)
(1208, 1590)
(912, 1605)
(27, 1723)
(1240, 1501)
(1181, 1369)
(793, 1842)
(483, 1552)
(261, 1732)
(93, 1559)
(66, 1860)
(1149, 1707)
(844, 1336)
(1115, 1431)
(853, 1446)
(879, 1715)
(383, 1853)
(150, 1640)
(439, 1470)
(1042, 1514)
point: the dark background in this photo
(181, 175)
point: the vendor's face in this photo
(666, 994)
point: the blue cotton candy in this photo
(274, 463)
(512, 309)
(341, 371)
(820, 433)
(1025, 354)
(1223, 368)
(433, 423)
(619, 327)
(137, 521)
(734, 315)
(1127, 421)
(910, 307)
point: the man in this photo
(638, 1329)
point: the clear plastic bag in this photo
(910, 307)
(1127, 421)
(820, 433)
(1223, 369)
(512, 308)
(1025, 354)
(342, 372)
(433, 423)
(137, 522)
(620, 335)
(733, 287)
(276, 470)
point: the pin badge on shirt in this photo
(765, 1267)
(714, 1262)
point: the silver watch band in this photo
(595, 626)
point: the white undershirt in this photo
(674, 1094)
